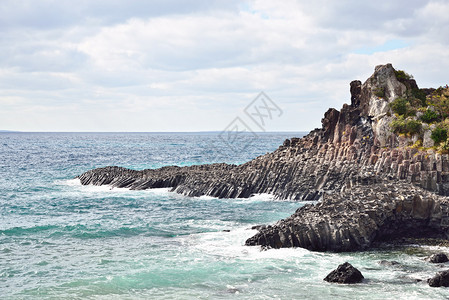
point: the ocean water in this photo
(61, 240)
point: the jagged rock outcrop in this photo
(345, 273)
(366, 176)
(360, 216)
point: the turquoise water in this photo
(61, 240)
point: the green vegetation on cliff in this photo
(406, 126)
(401, 75)
(418, 107)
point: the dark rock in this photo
(438, 258)
(329, 123)
(345, 273)
(359, 217)
(356, 93)
(258, 227)
(440, 279)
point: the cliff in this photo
(352, 164)
(353, 142)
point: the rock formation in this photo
(438, 258)
(352, 142)
(440, 279)
(345, 273)
(360, 216)
(372, 185)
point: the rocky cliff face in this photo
(355, 160)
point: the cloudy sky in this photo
(172, 65)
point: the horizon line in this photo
(205, 131)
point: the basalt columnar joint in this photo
(364, 173)
(360, 216)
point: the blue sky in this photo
(171, 65)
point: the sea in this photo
(62, 240)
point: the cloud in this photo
(194, 65)
(50, 14)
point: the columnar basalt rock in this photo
(353, 156)
(360, 216)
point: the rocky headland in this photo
(379, 167)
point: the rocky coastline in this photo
(372, 184)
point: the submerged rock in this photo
(345, 273)
(440, 279)
(438, 258)
(389, 263)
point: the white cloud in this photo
(194, 65)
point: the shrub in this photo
(401, 75)
(411, 110)
(445, 146)
(404, 126)
(399, 106)
(438, 91)
(440, 103)
(417, 144)
(398, 125)
(439, 135)
(415, 102)
(413, 126)
(429, 116)
(419, 94)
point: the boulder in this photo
(438, 258)
(440, 279)
(345, 273)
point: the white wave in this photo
(262, 197)
(160, 191)
(230, 245)
(106, 188)
(70, 182)
(253, 198)
(205, 197)
(439, 248)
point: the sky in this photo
(172, 65)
